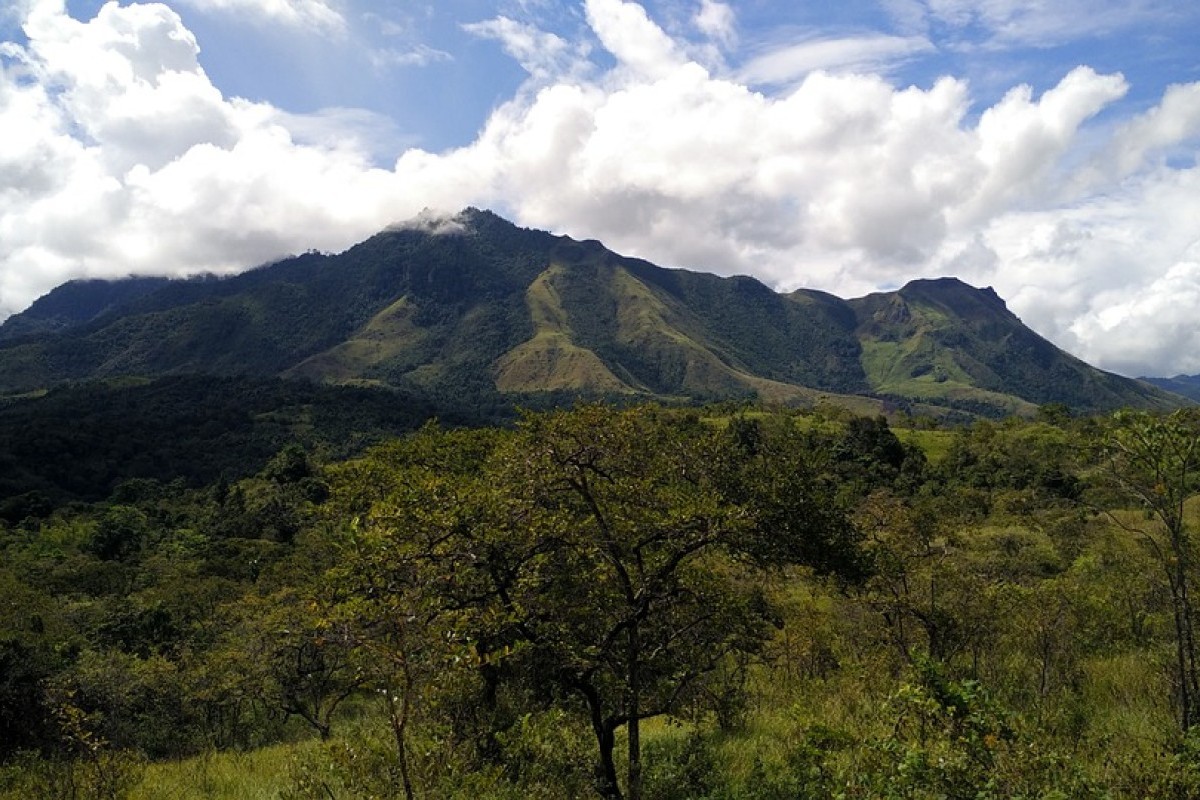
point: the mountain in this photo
(75, 303)
(946, 342)
(1184, 385)
(477, 308)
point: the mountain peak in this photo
(949, 290)
(435, 222)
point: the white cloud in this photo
(628, 33)
(418, 55)
(119, 156)
(542, 54)
(434, 222)
(717, 21)
(1174, 122)
(1155, 322)
(320, 16)
(1107, 277)
(1022, 141)
(866, 54)
(129, 82)
(1036, 23)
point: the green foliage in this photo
(102, 775)
(1155, 462)
(618, 601)
(83, 442)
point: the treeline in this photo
(639, 602)
(79, 442)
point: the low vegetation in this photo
(641, 602)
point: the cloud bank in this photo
(120, 156)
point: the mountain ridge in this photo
(475, 305)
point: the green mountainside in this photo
(75, 303)
(1184, 385)
(945, 342)
(483, 311)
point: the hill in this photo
(1184, 385)
(81, 442)
(478, 310)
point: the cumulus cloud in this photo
(641, 47)
(1107, 276)
(1155, 322)
(1159, 131)
(119, 156)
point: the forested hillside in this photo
(643, 602)
(80, 442)
(485, 314)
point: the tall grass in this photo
(262, 774)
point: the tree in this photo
(1154, 461)
(605, 560)
(636, 596)
(418, 577)
(302, 659)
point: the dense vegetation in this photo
(80, 442)
(640, 602)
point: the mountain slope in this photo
(1183, 385)
(477, 308)
(944, 341)
(75, 303)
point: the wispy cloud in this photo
(1003, 24)
(717, 21)
(872, 53)
(322, 16)
(389, 26)
(417, 55)
(542, 54)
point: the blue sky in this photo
(1045, 148)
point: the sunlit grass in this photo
(261, 774)
(934, 444)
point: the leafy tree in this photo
(302, 661)
(933, 598)
(1154, 461)
(635, 598)
(119, 534)
(791, 483)
(605, 556)
(421, 563)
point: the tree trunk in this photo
(607, 785)
(399, 719)
(1187, 649)
(606, 771)
(634, 787)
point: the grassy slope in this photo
(392, 335)
(944, 342)
(551, 361)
